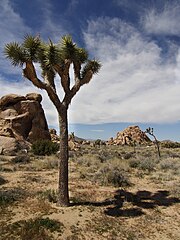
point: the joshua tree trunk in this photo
(63, 196)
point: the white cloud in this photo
(163, 21)
(134, 85)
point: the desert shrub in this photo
(134, 163)
(170, 144)
(109, 174)
(147, 165)
(47, 162)
(11, 195)
(50, 195)
(108, 154)
(37, 229)
(44, 147)
(21, 159)
(169, 164)
(51, 162)
(88, 160)
(104, 155)
(128, 155)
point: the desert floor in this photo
(115, 193)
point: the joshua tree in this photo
(151, 132)
(55, 59)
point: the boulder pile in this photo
(129, 136)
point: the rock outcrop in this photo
(129, 136)
(22, 121)
(54, 136)
(73, 143)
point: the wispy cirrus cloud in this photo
(163, 21)
(135, 84)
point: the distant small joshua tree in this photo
(151, 132)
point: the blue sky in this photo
(138, 44)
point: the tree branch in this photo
(64, 75)
(30, 73)
(77, 69)
(78, 84)
(87, 78)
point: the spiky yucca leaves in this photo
(21, 53)
(81, 55)
(91, 65)
(69, 50)
(15, 53)
(32, 46)
(51, 55)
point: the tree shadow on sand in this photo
(138, 201)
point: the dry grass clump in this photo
(169, 164)
(106, 171)
(9, 196)
(113, 172)
(144, 164)
(36, 229)
(175, 190)
(47, 162)
(88, 160)
(49, 194)
(147, 165)
(21, 159)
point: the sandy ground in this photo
(145, 210)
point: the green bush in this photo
(44, 147)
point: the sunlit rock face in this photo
(22, 121)
(129, 136)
